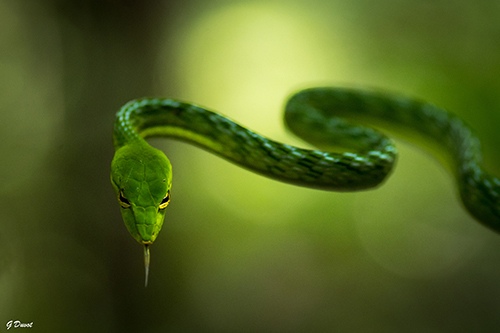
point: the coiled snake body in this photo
(142, 175)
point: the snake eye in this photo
(165, 201)
(123, 201)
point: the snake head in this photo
(142, 178)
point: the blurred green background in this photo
(239, 252)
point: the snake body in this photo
(141, 175)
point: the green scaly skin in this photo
(142, 175)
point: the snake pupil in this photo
(165, 201)
(123, 201)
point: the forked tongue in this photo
(146, 263)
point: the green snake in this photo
(325, 117)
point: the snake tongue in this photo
(147, 258)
